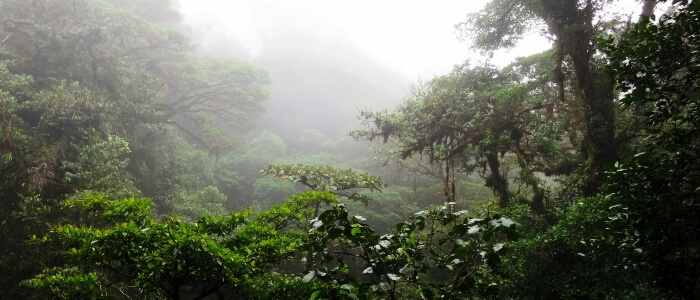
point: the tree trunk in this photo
(648, 8)
(495, 181)
(573, 27)
(599, 114)
(447, 183)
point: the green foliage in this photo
(63, 134)
(95, 96)
(435, 254)
(118, 250)
(170, 169)
(237, 172)
(641, 239)
(468, 118)
(97, 209)
(269, 191)
(501, 24)
(193, 203)
(658, 65)
(101, 166)
(339, 182)
(122, 251)
(69, 283)
(393, 205)
(658, 69)
(579, 257)
(108, 99)
(268, 145)
(57, 140)
(574, 27)
(215, 93)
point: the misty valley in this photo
(183, 149)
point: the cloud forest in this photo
(139, 162)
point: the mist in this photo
(328, 61)
(487, 149)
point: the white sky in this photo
(415, 38)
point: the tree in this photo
(136, 62)
(56, 143)
(86, 107)
(639, 237)
(119, 251)
(437, 253)
(339, 182)
(657, 68)
(126, 66)
(572, 25)
(237, 172)
(470, 119)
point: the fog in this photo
(330, 59)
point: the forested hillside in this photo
(134, 165)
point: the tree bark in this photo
(573, 27)
(648, 8)
(496, 181)
(599, 115)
